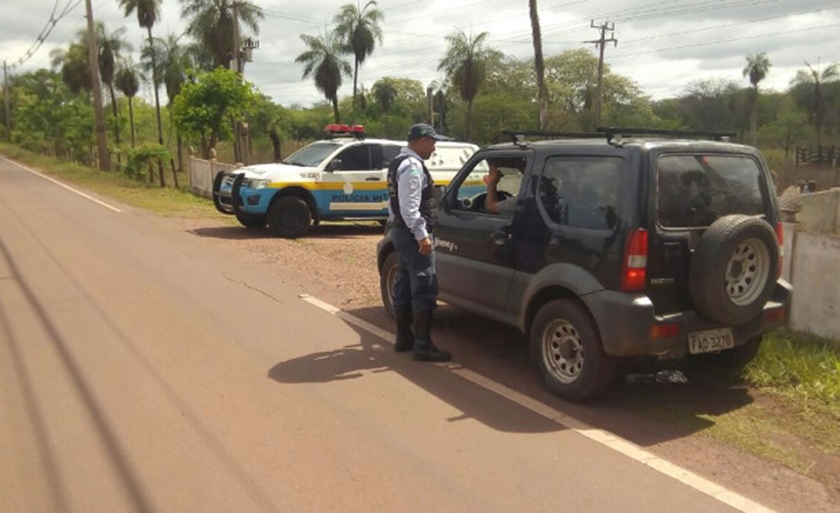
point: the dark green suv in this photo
(619, 244)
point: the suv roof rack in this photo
(517, 136)
(613, 132)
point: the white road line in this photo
(616, 443)
(45, 177)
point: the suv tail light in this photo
(634, 266)
(780, 234)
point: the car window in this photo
(696, 190)
(471, 193)
(356, 158)
(581, 191)
(389, 153)
(312, 155)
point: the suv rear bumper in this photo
(625, 323)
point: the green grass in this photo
(166, 201)
(796, 412)
(799, 366)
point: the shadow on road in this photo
(644, 413)
(322, 231)
(232, 233)
(374, 355)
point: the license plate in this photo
(710, 341)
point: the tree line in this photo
(484, 93)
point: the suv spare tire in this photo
(734, 269)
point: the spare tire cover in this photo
(734, 269)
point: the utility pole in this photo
(93, 57)
(235, 65)
(242, 52)
(601, 43)
(8, 104)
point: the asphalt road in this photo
(143, 370)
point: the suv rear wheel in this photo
(567, 349)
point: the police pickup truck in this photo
(340, 178)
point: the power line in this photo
(45, 32)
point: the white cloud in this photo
(663, 45)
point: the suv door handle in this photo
(499, 238)
(373, 179)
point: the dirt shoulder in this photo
(716, 427)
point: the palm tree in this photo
(464, 65)
(539, 65)
(127, 82)
(809, 91)
(175, 64)
(111, 46)
(323, 61)
(385, 93)
(73, 63)
(212, 25)
(148, 12)
(359, 29)
(756, 69)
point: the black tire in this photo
(734, 269)
(251, 221)
(289, 217)
(566, 346)
(733, 359)
(387, 273)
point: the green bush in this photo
(144, 159)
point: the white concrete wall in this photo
(820, 212)
(815, 275)
(202, 173)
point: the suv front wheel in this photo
(567, 349)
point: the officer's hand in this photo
(425, 246)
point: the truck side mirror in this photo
(437, 195)
(334, 165)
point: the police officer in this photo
(415, 291)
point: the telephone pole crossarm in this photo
(601, 43)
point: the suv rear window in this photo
(696, 190)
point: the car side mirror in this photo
(334, 165)
(438, 192)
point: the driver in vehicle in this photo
(493, 205)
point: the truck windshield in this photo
(312, 155)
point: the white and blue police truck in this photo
(341, 178)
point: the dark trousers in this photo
(416, 284)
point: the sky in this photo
(662, 45)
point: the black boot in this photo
(424, 349)
(405, 337)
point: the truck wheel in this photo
(251, 221)
(289, 217)
(567, 349)
(734, 269)
(387, 275)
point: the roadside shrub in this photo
(143, 159)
